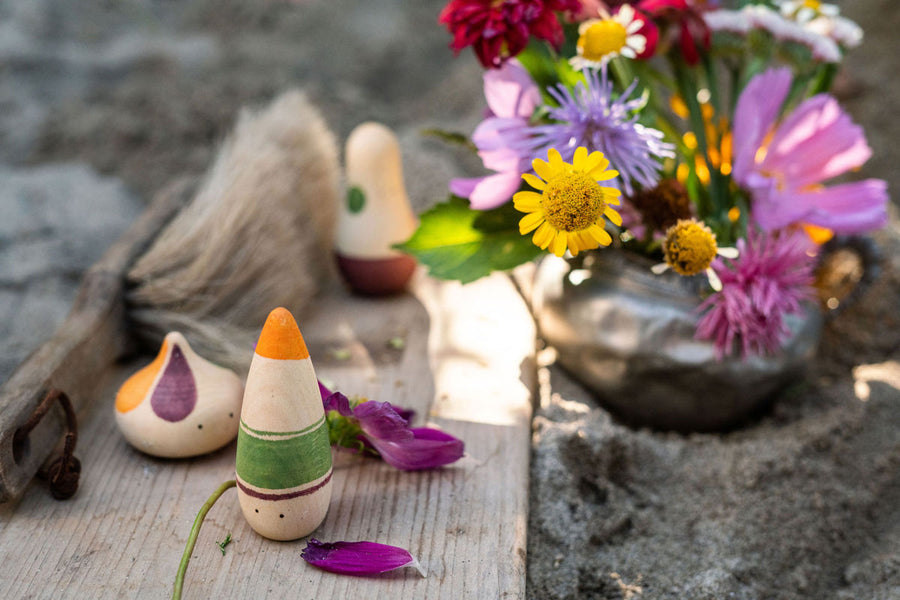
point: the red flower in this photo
(499, 29)
(693, 29)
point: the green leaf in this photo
(456, 242)
(450, 137)
(356, 199)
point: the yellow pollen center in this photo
(601, 39)
(812, 4)
(572, 202)
(690, 247)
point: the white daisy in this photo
(821, 46)
(823, 19)
(731, 21)
(602, 39)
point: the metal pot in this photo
(628, 335)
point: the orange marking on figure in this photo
(135, 389)
(281, 338)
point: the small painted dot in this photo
(257, 510)
(199, 426)
(280, 516)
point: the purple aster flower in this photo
(502, 138)
(380, 428)
(358, 558)
(589, 116)
(771, 278)
(816, 142)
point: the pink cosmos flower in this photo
(380, 427)
(499, 29)
(357, 558)
(502, 138)
(771, 278)
(816, 142)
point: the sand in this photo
(104, 102)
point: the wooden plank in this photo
(93, 336)
(466, 366)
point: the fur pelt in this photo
(258, 234)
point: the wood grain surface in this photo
(77, 358)
(462, 356)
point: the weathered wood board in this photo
(466, 365)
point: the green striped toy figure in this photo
(283, 463)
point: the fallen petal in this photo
(358, 558)
(428, 449)
(379, 421)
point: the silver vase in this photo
(628, 335)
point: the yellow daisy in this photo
(690, 248)
(569, 207)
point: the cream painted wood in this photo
(211, 424)
(374, 165)
(466, 366)
(288, 519)
(289, 383)
(282, 395)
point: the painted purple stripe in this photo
(288, 496)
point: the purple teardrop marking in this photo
(176, 393)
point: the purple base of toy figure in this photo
(377, 277)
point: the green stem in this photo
(192, 539)
(712, 81)
(621, 72)
(824, 78)
(695, 114)
(735, 92)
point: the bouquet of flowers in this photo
(694, 133)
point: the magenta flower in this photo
(694, 34)
(816, 142)
(358, 558)
(502, 138)
(380, 429)
(771, 278)
(499, 29)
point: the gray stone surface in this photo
(55, 222)
(103, 102)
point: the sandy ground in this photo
(104, 101)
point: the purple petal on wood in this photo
(428, 449)
(357, 558)
(176, 392)
(379, 421)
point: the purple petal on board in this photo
(176, 392)
(379, 421)
(428, 449)
(357, 558)
(405, 413)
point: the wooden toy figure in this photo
(283, 462)
(179, 405)
(376, 214)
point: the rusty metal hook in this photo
(63, 473)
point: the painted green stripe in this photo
(281, 464)
(260, 432)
